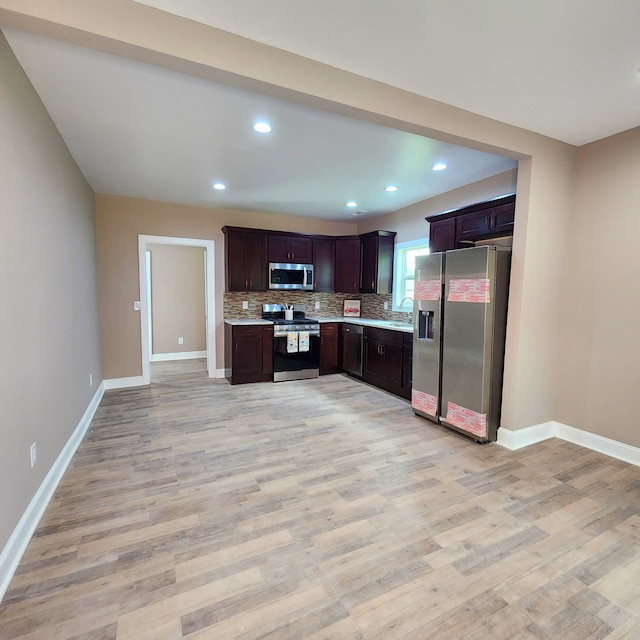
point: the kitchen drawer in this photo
(386, 336)
(329, 328)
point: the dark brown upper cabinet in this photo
(324, 260)
(442, 235)
(289, 248)
(246, 259)
(343, 264)
(463, 227)
(376, 262)
(347, 261)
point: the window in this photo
(405, 271)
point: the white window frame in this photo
(399, 272)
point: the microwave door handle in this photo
(304, 279)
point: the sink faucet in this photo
(409, 312)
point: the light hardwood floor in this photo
(322, 509)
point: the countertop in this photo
(394, 325)
(246, 321)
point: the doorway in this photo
(144, 242)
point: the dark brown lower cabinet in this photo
(407, 364)
(248, 353)
(383, 352)
(329, 348)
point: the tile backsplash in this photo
(371, 304)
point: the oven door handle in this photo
(284, 334)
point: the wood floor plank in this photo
(166, 614)
(250, 549)
(325, 510)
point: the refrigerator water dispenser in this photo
(425, 325)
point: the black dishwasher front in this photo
(352, 339)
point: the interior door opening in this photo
(144, 244)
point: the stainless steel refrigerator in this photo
(460, 312)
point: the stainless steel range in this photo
(296, 342)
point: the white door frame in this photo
(210, 298)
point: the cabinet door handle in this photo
(373, 284)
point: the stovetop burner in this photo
(296, 321)
(276, 313)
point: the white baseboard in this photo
(613, 448)
(123, 383)
(184, 355)
(136, 381)
(19, 539)
(524, 437)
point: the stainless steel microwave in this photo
(290, 276)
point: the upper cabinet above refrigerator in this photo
(478, 223)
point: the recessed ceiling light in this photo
(352, 203)
(262, 127)
(391, 188)
(440, 166)
(219, 186)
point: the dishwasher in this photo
(352, 354)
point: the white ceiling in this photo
(143, 131)
(567, 69)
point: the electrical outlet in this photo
(136, 305)
(180, 340)
(386, 305)
(34, 455)
(317, 305)
(91, 380)
(245, 304)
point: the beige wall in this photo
(545, 173)
(120, 220)
(409, 223)
(599, 351)
(177, 298)
(572, 348)
(48, 301)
